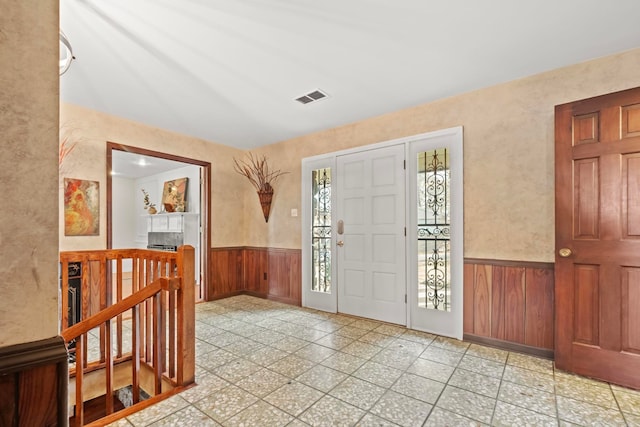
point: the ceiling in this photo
(228, 71)
(132, 165)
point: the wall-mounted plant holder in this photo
(265, 201)
(261, 177)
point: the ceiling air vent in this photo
(315, 95)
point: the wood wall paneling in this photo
(539, 314)
(33, 384)
(255, 270)
(265, 272)
(509, 303)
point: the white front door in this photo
(370, 234)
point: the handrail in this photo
(162, 283)
(160, 306)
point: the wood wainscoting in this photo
(510, 304)
(33, 384)
(271, 273)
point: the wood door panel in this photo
(586, 199)
(587, 128)
(631, 121)
(586, 304)
(630, 313)
(598, 219)
(631, 195)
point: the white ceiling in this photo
(228, 71)
(131, 165)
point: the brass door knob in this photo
(340, 243)
(564, 252)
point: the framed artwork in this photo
(81, 207)
(174, 195)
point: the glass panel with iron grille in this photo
(321, 230)
(434, 218)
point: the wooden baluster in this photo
(148, 313)
(135, 348)
(186, 317)
(118, 299)
(157, 343)
(85, 295)
(79, 376)
(172, 333)
(108, 369)
(64, 294)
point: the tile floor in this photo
(261, 363)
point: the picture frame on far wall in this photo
(81, 207)
(174, 195)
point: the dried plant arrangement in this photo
(256, 169)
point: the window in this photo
(321, 230)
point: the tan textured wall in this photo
(91, 130)
(29, 171)
(508, 132)
(509, 160)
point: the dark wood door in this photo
(598, 237)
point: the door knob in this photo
(564, 252)
(340, 243)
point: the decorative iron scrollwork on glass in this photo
(321, 230)
(434, 270)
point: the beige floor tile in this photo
(226, 403)
(583, 413)
(187, 417)
(370, 420)
(361, 349)
(356, 392)
(207, 384)
(377, 339)
(530, 362)
(466, 403)
(214, 359)
(366, 324)
(490, 353)
(334, 341)
(394, 358)
(289, 344)
(259, 414)
(378, 374)
(432, 370)
(158, 411)
(322, 378)
(401, 410)
(262, 382)
(439, 417)
(440, 355)
(418, 387)
(632, 419)
(390, 330)
(315, 352)
(350, 331)
(265, 356)
(477, 383)
(450, 344)
(236, 370)
(294, 397)
(343, 362)
(507, 415)
(292, 366)
(482, 366)
(628, 400)
(330, 412)
(528, 398)
(529, 378)
(586, 391)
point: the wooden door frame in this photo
(205, 207)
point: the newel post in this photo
(186, 306)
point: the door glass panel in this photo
(321, 230)
(434, 217)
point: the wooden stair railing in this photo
(162, 313)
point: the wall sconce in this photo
(66, 54)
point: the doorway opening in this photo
(128, 223)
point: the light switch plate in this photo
(294, 212)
